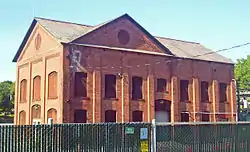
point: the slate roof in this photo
(67, 32)
(192, 50)
(64, 31)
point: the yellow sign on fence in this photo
(144, 146)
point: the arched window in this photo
(137, 116)
(37, 88)
(52, 113)
(36, 112)
(52, 85)
(110, 116)
(22, 117)
(23, 90)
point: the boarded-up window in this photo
(110, 86)
(52, 85)
(52, 113)
(23, 90)
(204, 91)
(22, 118)
(184, 90)
(80, 84)
(137, 116)
(184, 117)
(223, 92)
(37, 88)
(80, 116)
(161, 85)
(36, 112)
(136, 88)
(110, 116)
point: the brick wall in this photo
(39, 62)
(103, 61)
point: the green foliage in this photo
(242, 73)
(7, 92)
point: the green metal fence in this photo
(106, 137)
(127, 137)
(203, 137)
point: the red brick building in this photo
(117, 71)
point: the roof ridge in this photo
(68, 22)
(177, 40)
(101, 25)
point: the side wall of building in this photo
(98, 62)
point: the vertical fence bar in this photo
(154, 143)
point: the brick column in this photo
(215, 99)
(125, 98)
(97, 97)
(150, 98)
(196, 98)
(44, 86)
(29, 101)
(232, 101)
(16, 115)
(175, 114)
(190, 105)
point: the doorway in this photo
(162, 110)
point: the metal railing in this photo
(106, 137)
(202, 137)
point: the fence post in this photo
(50, 134)
(154, 136)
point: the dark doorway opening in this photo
(110, 116)
(137, 116)
(80, 116)
(162, 110)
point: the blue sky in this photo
(215, 24)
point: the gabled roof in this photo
(67, 32)
(192, 50)
(64, 31)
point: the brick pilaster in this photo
(97, 97)
(175, 114)
(150, 99)
(126, 98)
(29, 102)
(232, 100)
(196, 99)
(215, 101)
(16, 115)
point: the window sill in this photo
(110, 98)
(36, 100)
(162, 91)
(82, 98)
(52, 98)
(138, 100)
(224, 102)
(206, 101)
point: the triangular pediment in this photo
(123, 32)
(37, 40)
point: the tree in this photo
(7, 96)
(242, 73)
